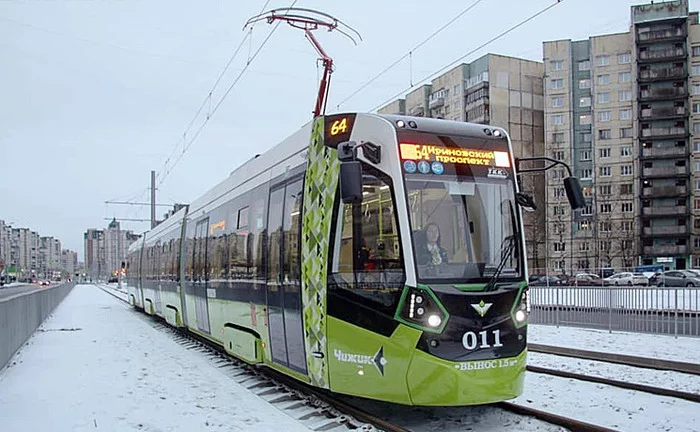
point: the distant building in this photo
(624, 111)
(106, 249)
(69, 262)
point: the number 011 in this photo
(470, 339)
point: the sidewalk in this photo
(95, 364)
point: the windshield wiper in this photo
(505, 255)
(506, 251)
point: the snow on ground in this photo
(114, 289)
(682, 348)
(96, 364)
(612, 407)
(657, 378)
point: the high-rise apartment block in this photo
(106, 249)
(500, 91)
(624, 111)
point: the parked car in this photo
(587, 279)
(627, 278)
(113, 280)
(542, 280)
(676, 278)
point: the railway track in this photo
(321, 410)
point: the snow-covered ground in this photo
(97, 365)
(684, 349)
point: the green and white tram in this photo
(377, 256)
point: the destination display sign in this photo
(427, 152)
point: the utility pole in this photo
(153, 199)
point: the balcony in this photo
(665, 250)
(665, 132)
(436, 102)
(664, 211)
(660, 35)
(672, 171)
(666, 230)
(661, 152)
(661, 74)
(664, 191)
(663, 113)
(660, 55)
(663, 93)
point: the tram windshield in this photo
(462, 229)
(463, 214)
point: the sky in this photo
(96, 94)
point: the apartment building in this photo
(617, 110)
(501, 91)
(106, 249)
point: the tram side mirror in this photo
(351, 182)
(574, 193)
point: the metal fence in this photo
(648, 309)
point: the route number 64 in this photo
(471, 339)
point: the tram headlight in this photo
(520, 315)
(434, 320)
(420, 308)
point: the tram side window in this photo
(378, 264)
(256, 237)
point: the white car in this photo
(627, 278)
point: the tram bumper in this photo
(438, 382)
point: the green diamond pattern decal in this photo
(320, 184)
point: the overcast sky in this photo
(95, 94)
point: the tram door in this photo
(284, 307)
(200, 278)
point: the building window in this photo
(696, 51)
(625, 151)
(696, 242)
(605, 189)
(603, 79)
(583, 246)
(624, 95)
(559, 211)
(696, 204)
(584, 225)
(604, 134)
(624, 77)
(604, 153)
(626, 189)
(557, 101)
(696, 146)
(584, 119)
(586, 137)
(604, 116)
(584, 65)
(588, 191)
(605, 171)
(558, 174)
(584, 84)
(696, 108)
(626, 170)
(558, 154)
(625, 114)
(556, 65)
(558, 83)
(624, 58)
(695, 89)
(625, 226)
(606, 208)
(627, 207)
(605, 227)
(696, 127)
(696, 70)
(587, 211)
(625, 133)
(584, 101)
(586, 174)
(603, 60)
(585, 155)
(558, 137)
(604, 97)
(559, 247)
(558, 119)
(559, 192)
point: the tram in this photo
(370, 255)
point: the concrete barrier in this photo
(21, 315)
